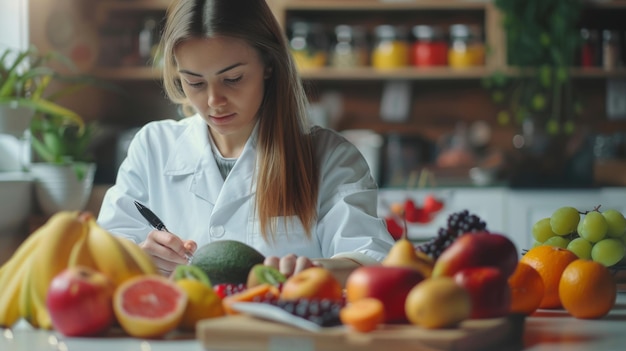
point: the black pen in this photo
(156, 222)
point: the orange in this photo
(526, 289)
(550, 262)
(363, 315)
(149, 306)
(587, 289)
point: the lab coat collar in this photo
(193, 155)
(191, 145)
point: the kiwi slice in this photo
(262, 274)
(190, 272)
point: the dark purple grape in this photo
(322, 312)
(458, 223)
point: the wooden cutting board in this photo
(246, 333)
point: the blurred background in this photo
(416, 84)
(437, 94)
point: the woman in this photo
(246, 166)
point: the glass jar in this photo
(391, 49)
(430, 47)
(589, 48)
(308, 45)
(147, 40)
(610, 49)
(467, 48)
(350, 49)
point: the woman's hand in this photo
(167, 250)
(289, 264)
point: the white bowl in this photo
(16, 202)
(58, 189)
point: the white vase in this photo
(16, 200)
(15, 120)
(58, 188)
(15, 154)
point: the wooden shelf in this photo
(134, 5)
(104, 8)
(281, 7)
(367, 73)
(577, 72)
(325, 73)
(614, 4)
(598, 72)
(377, 5)
(127, 73)
(408, 73)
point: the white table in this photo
(546, 330)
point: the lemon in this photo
(202, 303)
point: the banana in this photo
(13, 278)
(40, 315)
(10, 295)
(81, 255)
(143, 260)
(25, 305)
(62, 231)
(109, 255)
(24, 250)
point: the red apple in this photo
(80, 302)
(477, 250)
(312, 283)
(488, 289)
(390, 285)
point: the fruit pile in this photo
(566, 281)
(467, 272)
(67, 261)
(596, 235)
(467, 281)
(313, 294)
(73, 276)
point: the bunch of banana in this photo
(118, 258)
(67, 239)
(19, 275)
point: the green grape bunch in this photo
(594, 235)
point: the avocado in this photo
(227, 261)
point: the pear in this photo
(403, 254)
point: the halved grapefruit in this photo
(149, 306)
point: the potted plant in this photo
(537, 95)
(24, 78)
(63, 166)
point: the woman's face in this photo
(223, 78)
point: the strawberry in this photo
(394, 228)
(432, 204)
(414, 214)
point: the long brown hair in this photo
(288, 175)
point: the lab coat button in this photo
(217, 231)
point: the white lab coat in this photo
(171, 169)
